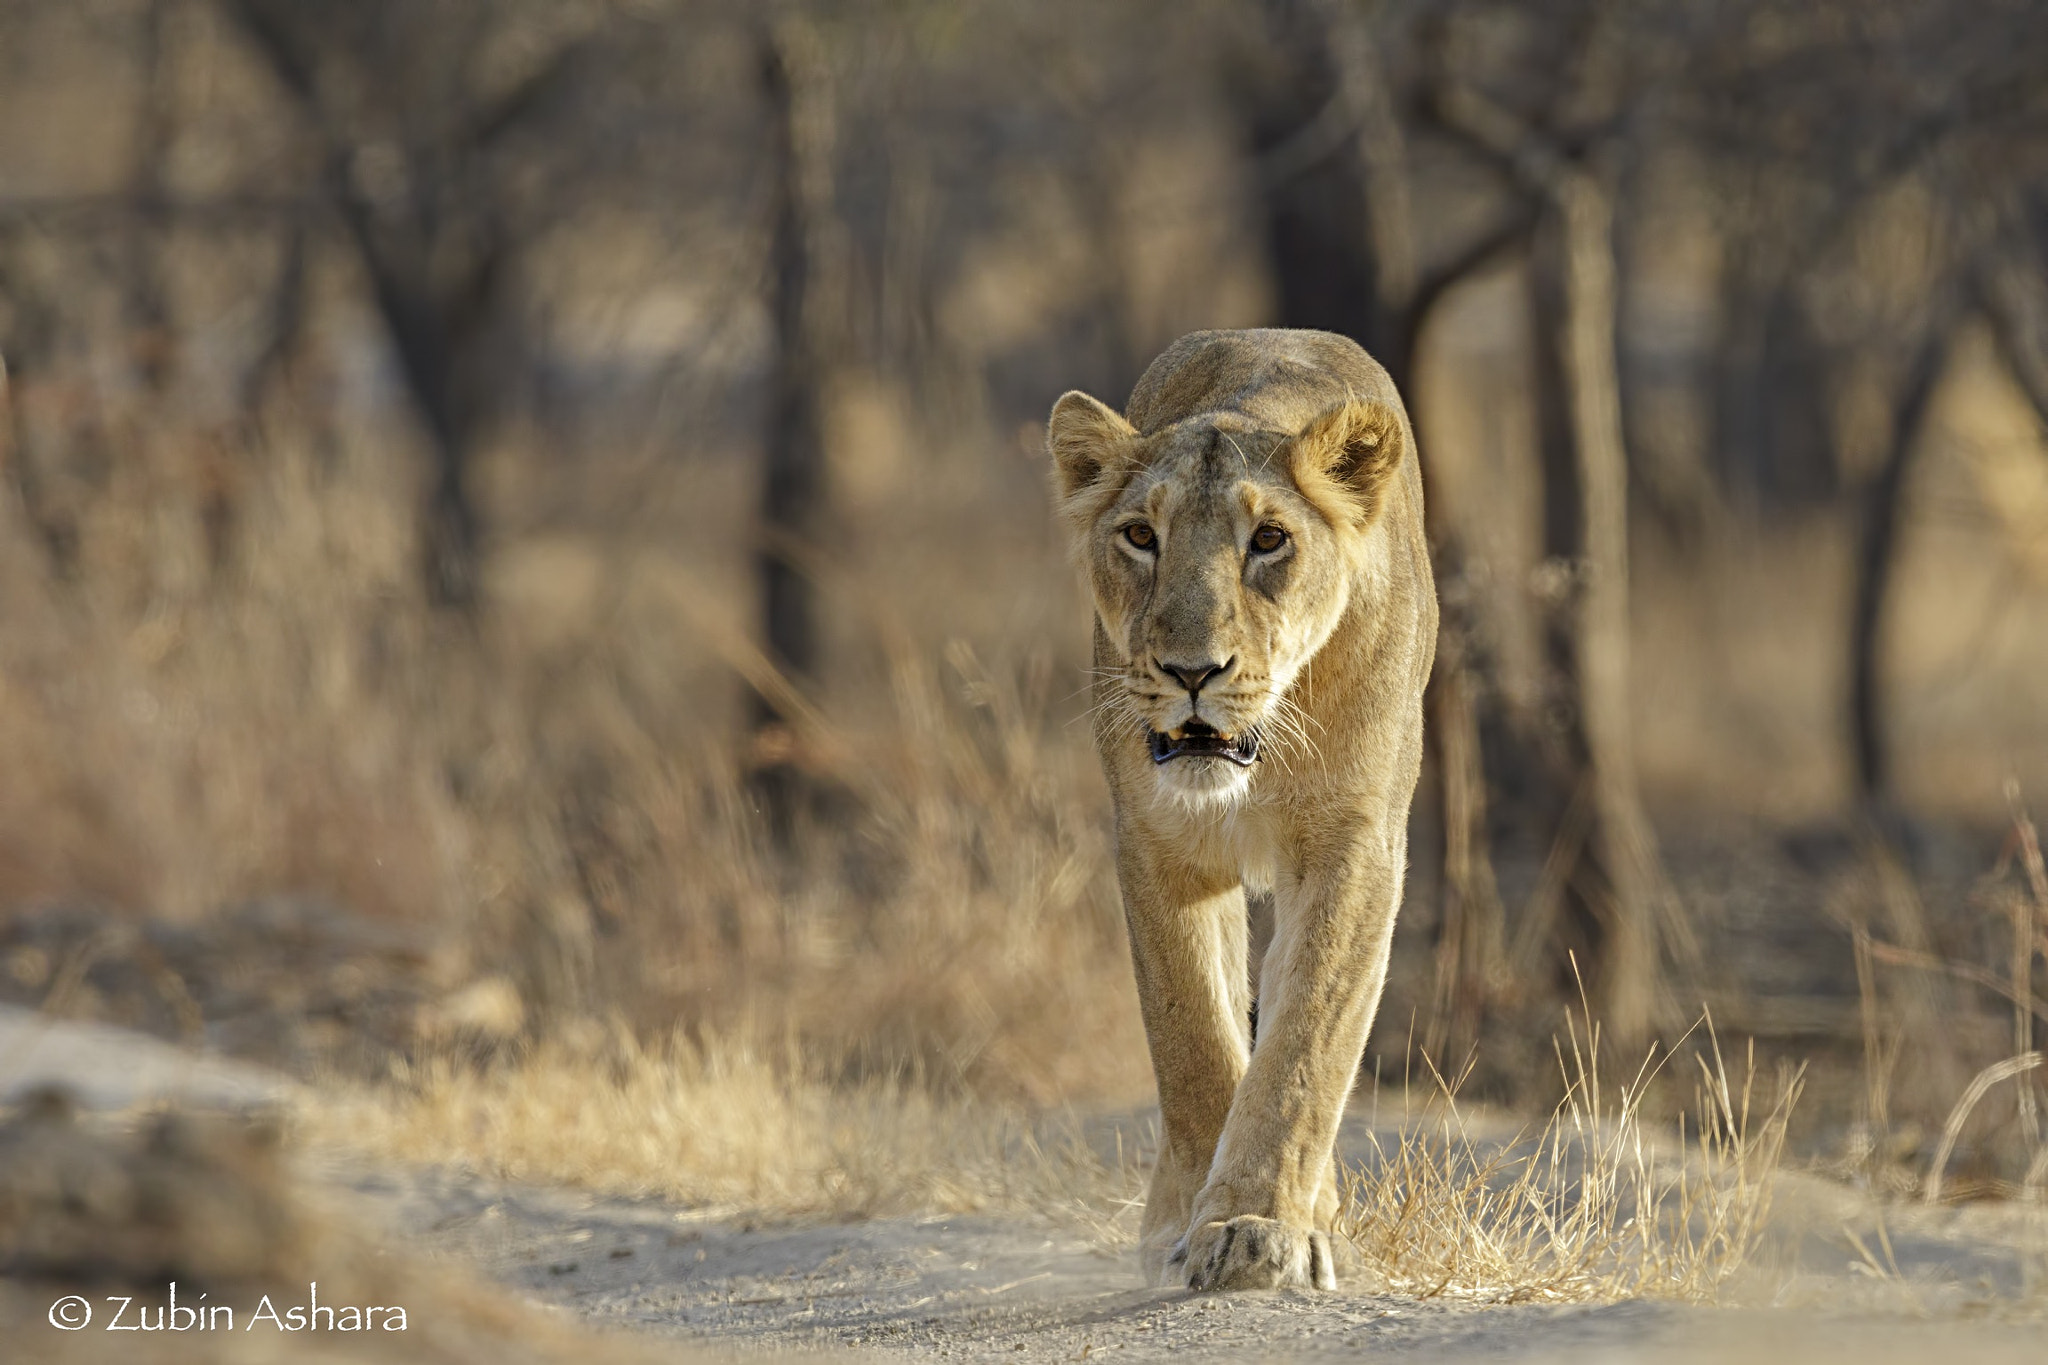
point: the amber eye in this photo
(1140, 535)
(1268, 539)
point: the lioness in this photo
(1265, 618)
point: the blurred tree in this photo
(1336, 210)
(1337, 205)
(410, 106)
(1560, 152)
(1795, 117)
(1823, 126)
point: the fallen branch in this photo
(1985, 1079)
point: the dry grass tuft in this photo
(1593, 1207)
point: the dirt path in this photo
(984, 1288)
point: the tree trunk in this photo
(144, 297)
(439, 330)
(1641, 916)
(1471, 935)
(1875, 558)
(1563, 919)
(1315, 204)
(793, 466)
(1631, 915)
(1772, 444)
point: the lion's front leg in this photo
(1263, 1217)
(1188, 948)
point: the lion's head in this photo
(1220, 554)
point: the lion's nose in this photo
(1192, 676)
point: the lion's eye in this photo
(1268, 539)
(1140, 535)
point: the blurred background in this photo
(520, 517)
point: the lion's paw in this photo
(1256, 1253)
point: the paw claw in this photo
(1322, 1266)
(1250, 1252)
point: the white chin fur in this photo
(1202, 783)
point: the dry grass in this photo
(197, 715)
(733, 1128)
(1595, 1206)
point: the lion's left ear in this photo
(1349, 453)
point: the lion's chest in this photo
(1245, 839)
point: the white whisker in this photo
(1242, 462)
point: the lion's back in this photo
(1280, 377)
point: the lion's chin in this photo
(1203, 783)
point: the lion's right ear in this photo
(1088, 440)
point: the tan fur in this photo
(1329, 644)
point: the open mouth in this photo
(1197, 739)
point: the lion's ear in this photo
(1349, 453)
(1087, 438)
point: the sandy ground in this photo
(1964, 1284)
